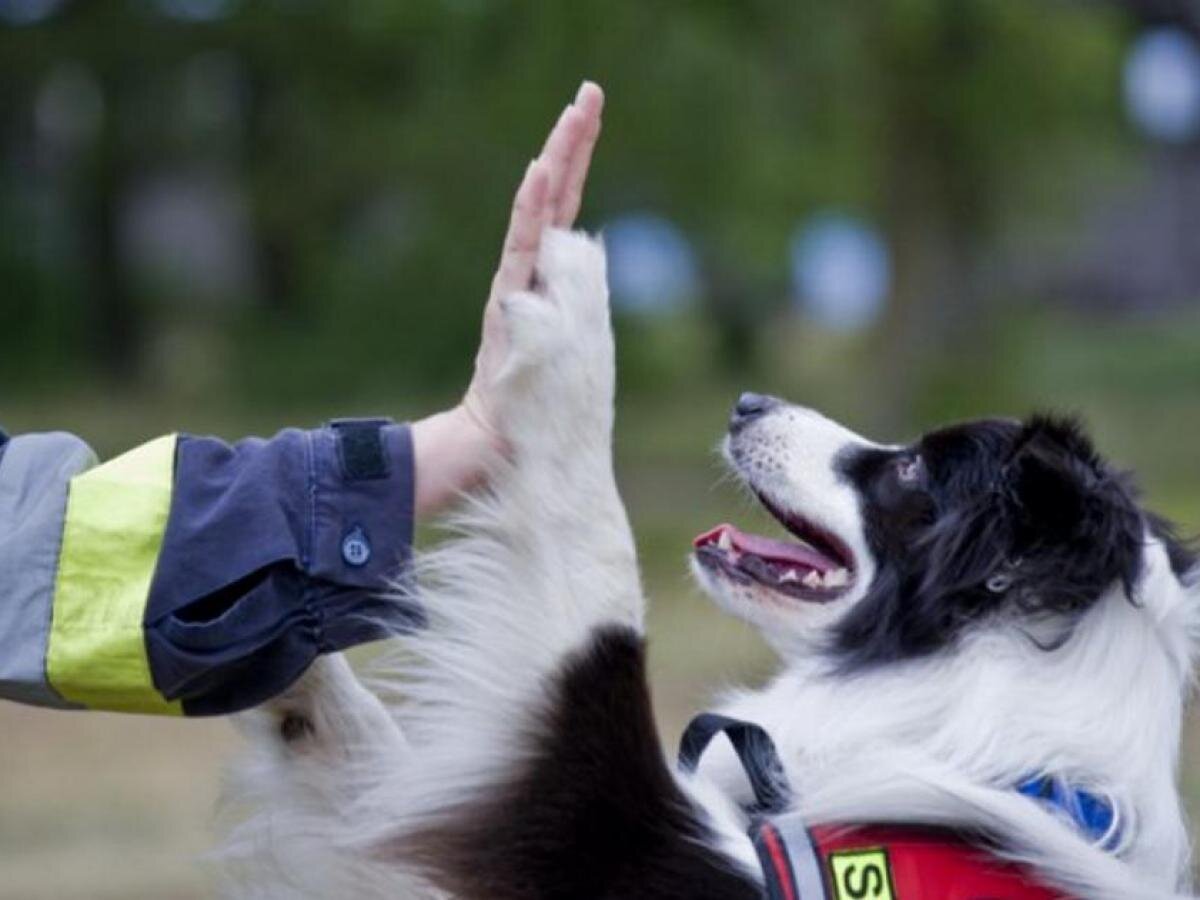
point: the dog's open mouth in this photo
(816, 566)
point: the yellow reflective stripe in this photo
(116, 516)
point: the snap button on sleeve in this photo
(356, 548)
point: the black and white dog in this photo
(956, 616)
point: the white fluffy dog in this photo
(957, 618)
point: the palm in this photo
(550, 195)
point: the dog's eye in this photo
(908, 469)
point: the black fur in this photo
(593, 812)
(1004, 518)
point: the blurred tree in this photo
(979, 103)
(376, 144)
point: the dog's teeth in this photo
(837, 578)
(790, 575)
(725, 542)
(812, 579)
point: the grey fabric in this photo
(34, 474)
(802, 855)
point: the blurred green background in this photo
(231, 217)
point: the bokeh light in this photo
(27, 12)
(841, 271)
(196, 10)
(651, 264)
(1162, 85)
(69, 107)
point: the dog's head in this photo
(893, 552)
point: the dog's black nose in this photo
(749, 407)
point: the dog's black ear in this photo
(1051, 475)
(1076, 525)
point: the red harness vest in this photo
(891, 863)
(859, 862)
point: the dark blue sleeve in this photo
(276, 551)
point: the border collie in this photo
(953, 617)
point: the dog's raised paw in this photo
(560, 372)
(571, 267)
(535, 329)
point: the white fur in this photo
(536, 564)
(938, 740)
(546, 556)
(789, 457)
(943, 739)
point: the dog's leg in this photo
(560, 499)
(538, 771)
(294, 802)
(544, 560)
(546, 556)
(327, 716)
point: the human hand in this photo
(451, 449)
(550, 195)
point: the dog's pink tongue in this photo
(785, 552)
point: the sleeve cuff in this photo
(362, 502)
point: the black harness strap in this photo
(791, 866)
(754, 748)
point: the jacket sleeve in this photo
(34, 473)
(190, 576)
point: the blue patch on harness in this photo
(1093, 814)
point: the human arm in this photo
(194, 576)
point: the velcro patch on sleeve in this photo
(361, 449)
(861, 875)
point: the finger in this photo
(524, 232)
(590, 103)
(559, 150)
